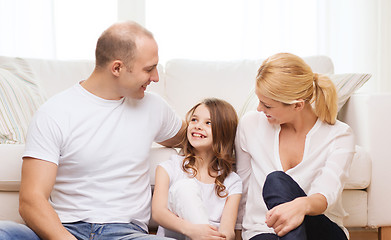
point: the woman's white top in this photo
(327, 157)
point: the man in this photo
(84, 170)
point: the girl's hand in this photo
(287, 216)
(204, 232)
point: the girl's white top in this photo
(213, 204)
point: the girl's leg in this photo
(185, 201)
(280, 188)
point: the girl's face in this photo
(276, 112)
(199, 131)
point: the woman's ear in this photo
(116, 67)
(299, 105)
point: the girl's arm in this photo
(165, 218)
(229, 215)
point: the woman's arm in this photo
(164, 217)
(38, 178)
(229, 215)
(244, 170)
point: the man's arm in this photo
(38, 178)
(177, 139)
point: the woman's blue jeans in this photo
(280, 188)
(81, 230)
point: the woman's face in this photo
(276, 112)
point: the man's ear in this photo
(299, 105)
(116, 67)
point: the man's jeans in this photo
(81, 230)
(281, 188)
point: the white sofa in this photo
(184, 82)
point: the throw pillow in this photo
(20, 97)
(346, 84)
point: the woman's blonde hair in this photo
(286, 78)
(224, 122)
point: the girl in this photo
(196, 193)
(293, 155)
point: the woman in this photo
(293, 155)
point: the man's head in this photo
(130, 54)
(118, 42)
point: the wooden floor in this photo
(355, 234)
(363, 234)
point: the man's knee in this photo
(11, 230)
(6, 228)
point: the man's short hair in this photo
(118, 42)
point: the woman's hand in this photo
(204, 232)
(287, 216)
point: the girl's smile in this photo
(199, 131)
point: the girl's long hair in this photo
(224, 122)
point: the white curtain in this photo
(55, 29)
(78, 25)
(232, 29)
(356, 34)
(26, 28)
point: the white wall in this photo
(132, 10)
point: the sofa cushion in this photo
(55, 76)
(355, 203)
(190, 81)
(360, 171)
(20, 97)
(158, 154)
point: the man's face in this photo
(134, 81)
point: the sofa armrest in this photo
(369, 116)
(10, 166)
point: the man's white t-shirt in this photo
(327, 157)
(100, 147)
